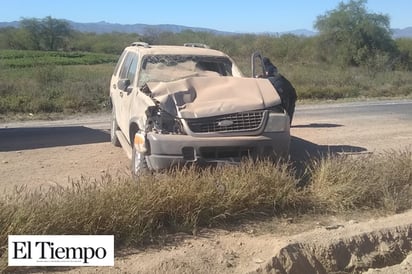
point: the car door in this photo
(125, 90)
(114, 91)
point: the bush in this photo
(49, 75)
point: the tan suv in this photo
(179, 104)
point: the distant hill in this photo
(301, 32)
(402, 33)
(13, 24)
(104, 27)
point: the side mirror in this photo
(258, 68)
(123, 84)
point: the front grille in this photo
(242, 121)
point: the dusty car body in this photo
(178, 104)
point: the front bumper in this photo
(170, 150)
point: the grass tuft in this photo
(382, 181)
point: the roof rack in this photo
(196, 45)
(140, 44)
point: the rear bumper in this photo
(170, 150)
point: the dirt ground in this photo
(66, 157)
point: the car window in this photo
(129, 67)
(131, 73)
(166, 68)
(116, 69)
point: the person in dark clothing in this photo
(282, 85)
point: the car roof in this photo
(146, 49)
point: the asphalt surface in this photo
(401, 108)
(95, 128)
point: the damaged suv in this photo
(173, 105)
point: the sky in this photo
(225, 15)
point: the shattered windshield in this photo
(167, 68)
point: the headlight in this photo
(278, 120)
(163, 122)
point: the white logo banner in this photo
(61, 250)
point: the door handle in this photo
(114, 86)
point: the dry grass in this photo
(179, 200)
(184, 199)
(382, 181)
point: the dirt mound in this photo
(349, 248)
(404, 267)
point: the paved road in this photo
(329, 126)
(400, 108)
(42, 134)
(50, 152)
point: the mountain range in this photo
(105, 27)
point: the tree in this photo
(47, 33)
(350, 35)
(13, 38)
(32, 29)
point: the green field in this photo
(31, 58)
(43, 82)
(70, 82)
(54, 82)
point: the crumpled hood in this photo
(210, 96)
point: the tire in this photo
(139, 163)
(113, 128)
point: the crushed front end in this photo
(187, 125)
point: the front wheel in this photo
(139, 163)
